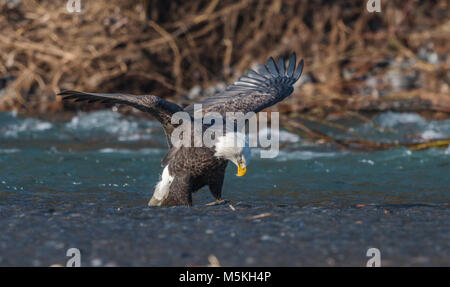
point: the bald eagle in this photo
(187, 169)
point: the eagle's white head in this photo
(234, 147)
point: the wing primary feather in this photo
(240, 88)
(245, 84)
(70, 97)
(299, 70)
(233, 88)
(254, 75)
(250, 80)
(281, 66)
(262, 69)
(291, 67)
(272, 67)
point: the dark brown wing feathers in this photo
(160, 109)
(257, 90)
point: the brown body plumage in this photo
(191, 168)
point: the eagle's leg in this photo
(180, 192)
(216, 189)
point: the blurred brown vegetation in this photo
(180, 50)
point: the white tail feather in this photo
(162, 188)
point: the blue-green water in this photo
(114, 160)
(85, 183)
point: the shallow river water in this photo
(86, 182)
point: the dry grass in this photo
(167, 47)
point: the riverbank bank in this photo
(355, 60)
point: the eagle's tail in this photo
(162, 188)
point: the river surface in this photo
(85, 183)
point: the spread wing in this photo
(160, 109)
(257, 90)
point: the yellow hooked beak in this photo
(241, 170)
